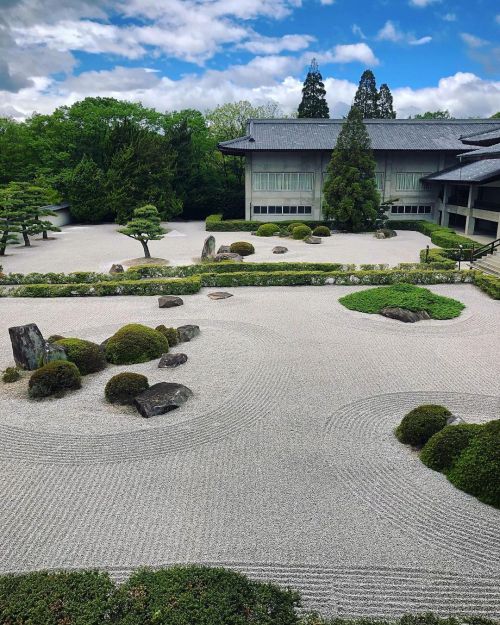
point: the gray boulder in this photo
(28, 346)
(53, 352)
(187, 333)
(170, 301)
(161, 398)
(208, 250)
(313, 240)
(228, 256)
(116, 268)
(219, 295)
(224, 249)
(172, 360)
(402, 314)
(280, 249)
(379, 234)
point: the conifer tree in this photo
(313, 104)
(87, 192)
(366, 98)
(350, 190)
(11, 217)
(385, 103)
(145, 226)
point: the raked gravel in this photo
(283, 465)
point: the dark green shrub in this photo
(198, 595)
(322, 231)
(437, 255)
(488, 284)
(53, 378)
(421, 423)
(447, 239)
(443, 448)
(11, 374)
(477, 470)
(301, 232)
(171, 334)
(87, 356)
(62, 598)
(293, 225)
(124, 387)
(242, 248)
(135, 343)
(54, 337)
(267, 230)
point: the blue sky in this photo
(172, 54)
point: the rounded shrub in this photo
(267, 230)
(54, 337)
(301, 232)
(477, 469)
(293, 225)
(421, 423)
(87, 356)
(135, 343)
(322, 231)
(11, 374)
(443, 448)
(242, 248)
(55, 377)
(171, 334)
(124, 387)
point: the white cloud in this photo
(420, 42)
(422, 3)
(275, 45)
(355, 52)
(472, 41)
(356, 30)
(390, 32)
(449, 17)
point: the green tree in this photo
(313, 104)
(350, 190)
(11, 217)
(86, 192)
(145, 226)
(385, 103)
(434, 115)
(366, 98)
(496, 115)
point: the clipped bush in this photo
(489, 284)
(443, 448)
(87, 356)
(267, 230)
(242, 248)
(124, 387)
(477, 469)
(421, 423)
(301, 232)
(171, 334)
(135, 343)
(293, 225)
(11, 374)
(54, 378)
(449, 239)
(322, 231)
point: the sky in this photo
(174, 54)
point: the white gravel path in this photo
(96, 248)
(283, 465)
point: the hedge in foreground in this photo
(417, 427)
(135, 343)
(405, 296)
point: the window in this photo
(380, 180)
(256, 210)
(270, 181)
(282, 210)
(411, 210)
(410, 181)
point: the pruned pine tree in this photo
(313, 104)
(144, 226)
(366, 98)
(10, 221)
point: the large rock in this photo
(161, 398)
(53, 352)
(402, 314)
(220, 295)
(116, 268)
(208, 250)
(28, 346)
(187, 333)
(313, 240)
(224, 249)
(280, 249)
(228, 256)
(172, 360)
(379, 234)
(170, 301)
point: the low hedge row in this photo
(78, 277)
(437, 257)
(215, 223)
(489, 284)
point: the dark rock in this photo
(161, 398)
(219, 295)
(379, 235)
(402, 314)
(28, 346)
(208, 250)
(228, 256)
(53, 352)
(224, 249)
(102, 346)
(169, 301)
(187, 333)
(313, 240)
(172, 360)
(116, 269)
(280, 249)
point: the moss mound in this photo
(135, 343)
(53, 378)
(87, 356)
(54, 337)
(407, 296)
(421, 423)
(124, 387)
(242, 248)
(171, 334)
(11, 374)
(267, 230)
(301, 232)
(321, 231)
(293, 225)
(477, 470)
(443, 448)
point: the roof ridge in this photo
(294, 120)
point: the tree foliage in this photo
(366, 98)
(434, 115)
(144, 226)
(313, 104)
(86, 192)
(350, 191)
(385, 103)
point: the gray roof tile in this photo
(483, 138)
(477, 171)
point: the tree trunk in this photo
(27, 242)
(3, 243)
(146, 249)
(44, 235)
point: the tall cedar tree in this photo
(385, 103)
(350, 189)
(366, 98)
(87, 193)
(313, 105)
(145, 226)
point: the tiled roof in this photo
(385, 134)
(492, 150)
(484, 138)
(477, 171)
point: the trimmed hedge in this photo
(135, 343)
(437, 257)
(443, 448)
(215, 223)
(488, 284)
(158, 271)
(451, 240)
(54, 377)
(124, 387)
(421, 423)
(87, 356)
